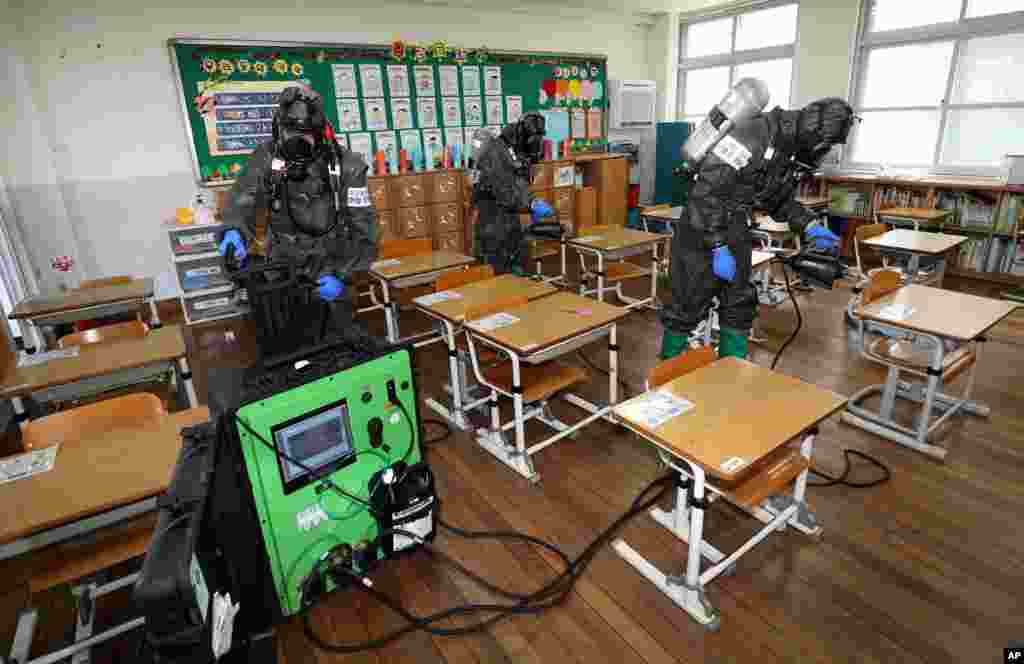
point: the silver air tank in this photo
(744, 101)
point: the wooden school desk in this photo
(450, 307)
(543, 330)
(905, 331)
(774, 234)
(913, 216)
(84, 304)
(412, 271)
(915, 245)
(109, 481)
(101, 367)
(731, 442)
(614, 243)
(665, 215)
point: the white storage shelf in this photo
(196, 245)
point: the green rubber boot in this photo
(672, 344)
(732, 343)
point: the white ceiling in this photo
(637, 10)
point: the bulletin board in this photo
(379, 98)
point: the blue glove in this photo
(723, 263)
(540, 209)
(233, 238)
(331, 288)
(821, 238)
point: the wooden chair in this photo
(615, 272)
(134, 329)
(66, 427)
(765, 479)
(861, 235)
(119, 280)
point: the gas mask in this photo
(298, 130)
(526, 138)
(820, 125)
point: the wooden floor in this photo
(927, 568)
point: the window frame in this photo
(959, 31)
(733, 58)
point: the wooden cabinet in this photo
(449, 242)
(444, 187)
(413, 222)
(541, 177)
(446, 218)
(609, 177)
(410, 190)
(379, 187)
(585, 209)
(562, 201)
(386, 225)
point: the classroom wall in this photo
(108, 159)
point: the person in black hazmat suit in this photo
(757, 162)
(321, 216)
(501, 189)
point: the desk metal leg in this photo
(687, 592)
(20, 414)
(524, 466)
(390, 312)
(23, 635)
(613, 367)
(455, 416)
(186, 381)
(600, 276)
(154, 320)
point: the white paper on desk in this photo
(391, 262)
(896, 312)
(653, 409)
(26, 360)
(590, 238)
(28, 464)
(495, 322)
(434, 298)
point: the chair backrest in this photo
(399, 248)
(119, 280)
(69, 426)
(134, 329)
(456, 278)
(484, 310)
(680, 365)
(864, 233)
(881, 284)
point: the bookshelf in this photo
(989, 212)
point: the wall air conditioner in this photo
(632, 104)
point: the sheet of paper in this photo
(595, 128)
(401, 111)
(435, 298)
(344, 81)
(896, 312)
(653, 409)
(26, 360)
(579, 123)
(411, 141)
(494, 322)
(426, 110)
(449, 75)
(433, 146)
(398, 81)
(452, 111)
(372, 80)
(474, 112)
(590, 238)
(495, 116)
(454, 136)
(349, 118)
(391, 262)
(470, 80)
(492, 80)
(513, 108)
(361, 145)
(28, 464)
(376, 114)
(424, 76)
(388, 142)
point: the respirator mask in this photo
(821, 125)
(529, 138)
(298, 131)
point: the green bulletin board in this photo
(229, 91)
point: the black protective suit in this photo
(502, 191)
(323, 224)
(783, 146)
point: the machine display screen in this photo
(318, 439)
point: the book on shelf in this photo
(1009, 216)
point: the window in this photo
(941, 89)
(717, 52)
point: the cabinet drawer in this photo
(205, 307)
(409, 189)
(541, 177)
(446, 218)
(194, 239)
(444, 187)
(413, 222)
(449, 242)
(206, 271)
(563, 199)
(386, 226)
(379, 193)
